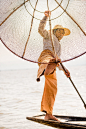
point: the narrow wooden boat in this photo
(69, 122)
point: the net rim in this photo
(37, 61)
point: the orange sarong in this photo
(50, 88)
(49, 94)
(44, 57)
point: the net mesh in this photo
(15, 25)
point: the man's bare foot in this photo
(50, 117)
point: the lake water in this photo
(20, 96)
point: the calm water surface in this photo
(20, 96)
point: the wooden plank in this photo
(65, 121)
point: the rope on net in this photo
(51, 32)
(50, 28)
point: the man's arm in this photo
(43, 32)
(41, 29)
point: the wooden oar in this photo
(74, 86)
(61, 63)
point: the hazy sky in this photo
(9, 61)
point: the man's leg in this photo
(49, 95)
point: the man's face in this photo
(60, 33)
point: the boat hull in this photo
(65, 121)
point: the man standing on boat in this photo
(49, 70)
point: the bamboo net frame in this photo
(59, 5)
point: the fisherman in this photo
(50, 53)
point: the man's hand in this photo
(67, 73)
(58, 60)
(47, 13)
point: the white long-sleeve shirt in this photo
(47, 44)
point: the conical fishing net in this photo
(19, 22)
